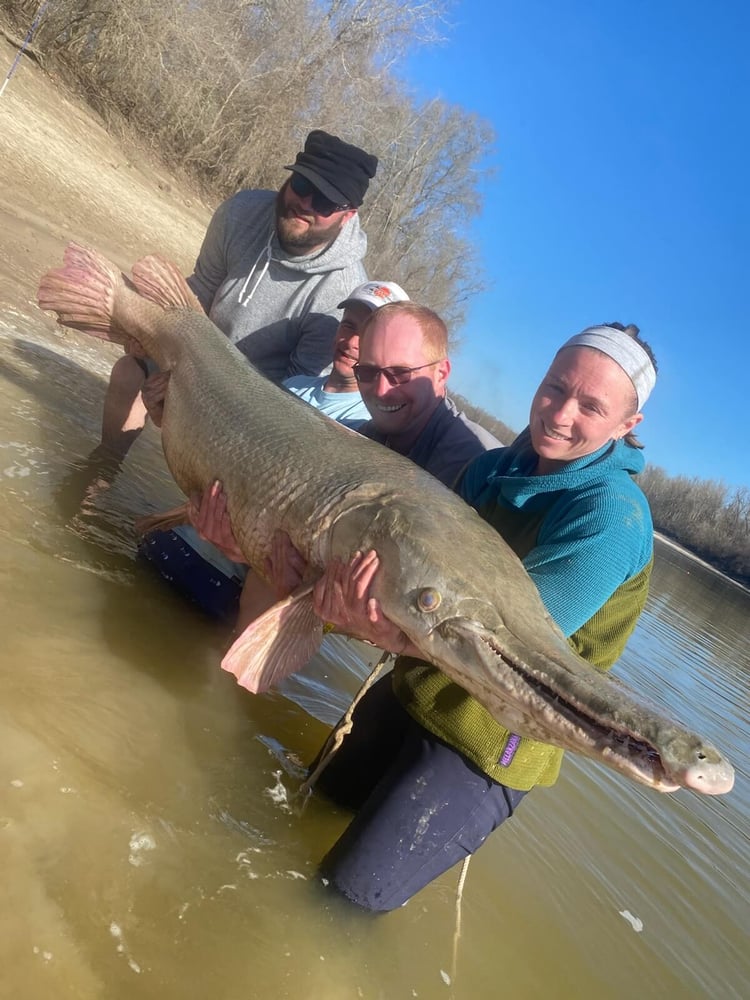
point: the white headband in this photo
(623, 349)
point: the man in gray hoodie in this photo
(271, 272)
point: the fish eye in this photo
(429, 599)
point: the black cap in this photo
(339, 170)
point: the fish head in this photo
(465, 600)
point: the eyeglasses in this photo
(321, 205)
(396, 374)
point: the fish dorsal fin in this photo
(159, 280)
(276, 644)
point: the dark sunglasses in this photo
(321, 205)
(396, 375)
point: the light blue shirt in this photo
(345, 407)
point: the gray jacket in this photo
(280, 311)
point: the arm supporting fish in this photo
(153, 394)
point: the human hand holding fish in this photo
(342, 597)
(285, 566)
(153, 394)
(208, 514)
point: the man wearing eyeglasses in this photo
(402, 374)
(271, 272)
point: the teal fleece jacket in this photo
(596, 533)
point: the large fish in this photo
(446, 578)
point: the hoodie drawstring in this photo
(267, 251)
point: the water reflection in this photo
(151, 843)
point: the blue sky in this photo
(620, 193)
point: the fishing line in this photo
(24, 46)
(459, 900)
(344, 727)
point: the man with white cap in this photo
(403, 371)
(337, 394)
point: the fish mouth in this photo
(528, 695)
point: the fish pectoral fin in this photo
(164, 521)
(278, 643)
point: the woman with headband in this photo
(563, 497)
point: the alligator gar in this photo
(446, 578)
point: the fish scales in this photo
(446, 578)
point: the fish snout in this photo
(710, 778)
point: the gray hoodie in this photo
(280, 311)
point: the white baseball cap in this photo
(375, 294)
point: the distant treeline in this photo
(702, 515)
(492, 424)
(226, 92)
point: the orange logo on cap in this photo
(382, 292)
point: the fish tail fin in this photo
(82, 293)
(161, 281)
(164, 521)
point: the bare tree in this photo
(227, 92)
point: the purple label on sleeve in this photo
(510, 749)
